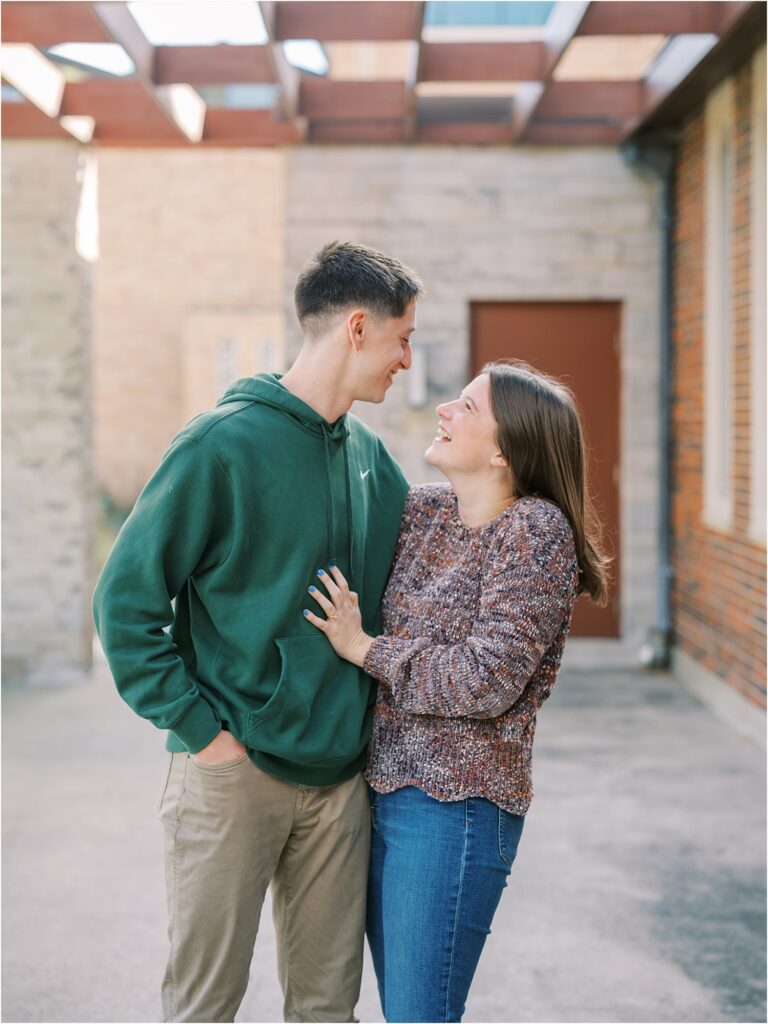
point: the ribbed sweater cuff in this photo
(377, 658)
(198, 726)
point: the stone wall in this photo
(47, 475)
(187, 294)
(489, 224)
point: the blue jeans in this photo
(437, 873)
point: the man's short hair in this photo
(343, 275)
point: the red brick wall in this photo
(719, 586)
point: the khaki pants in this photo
(232, 829)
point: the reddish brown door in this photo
(578, 342)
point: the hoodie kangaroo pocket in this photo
(319, 712)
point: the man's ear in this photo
(357, 321)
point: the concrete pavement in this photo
(638, 893)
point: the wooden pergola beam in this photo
(413, 75)
(48, 24)
(338, 22)
(464, 132)
(482, 62)
(113, 99)
(34, 76)
(248, 128)
(650, 17)
(575, 134)
(180, 104)
(599, 100)
(213, 65)
(361, 132)
(26, 121)
(561, 28)
(329, 100)
(284, 73)
(682, 74)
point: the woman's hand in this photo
(343, 625)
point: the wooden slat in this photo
(595, 99)
(324, 99)
(561, 27)
(138, 133)
(32, 74)
(413, 74)
(47, 24)
(464, 133)
(180, 105)
(288, 77)
(670, 93)
(482, 62)
(212, 65)
(649, 17)
(575, 134)
(363, 132)
(333, 22)
(248, 128)
(24, 120)
(111, 100)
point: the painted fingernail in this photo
(319, 572)
(312, 590)
(305, 612)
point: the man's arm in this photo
(180, 525)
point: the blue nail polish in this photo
(312, 590)
(305, 612)
(319, 572)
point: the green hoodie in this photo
(249, 501)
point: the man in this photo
(267, 726)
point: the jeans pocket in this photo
(510, 830)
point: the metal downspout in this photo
(657, 152)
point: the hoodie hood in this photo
(267, 389)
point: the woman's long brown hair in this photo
(540, 436)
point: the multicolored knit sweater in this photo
(475, 620)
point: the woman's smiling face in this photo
(466, 438)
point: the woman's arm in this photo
(525, 602)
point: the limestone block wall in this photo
(187, 294)
(47, 471)
(491, 224)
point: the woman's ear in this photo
(356, 324)
(499, 460)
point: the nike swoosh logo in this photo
(363, 475)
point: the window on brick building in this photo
(718, 312)
(757, 517)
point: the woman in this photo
(475, 614)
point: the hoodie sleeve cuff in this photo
(198, 727)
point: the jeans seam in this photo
(502, 848)
(458, 906)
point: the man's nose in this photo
(407, 359)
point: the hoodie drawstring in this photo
(349, 504)
(331, 522)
